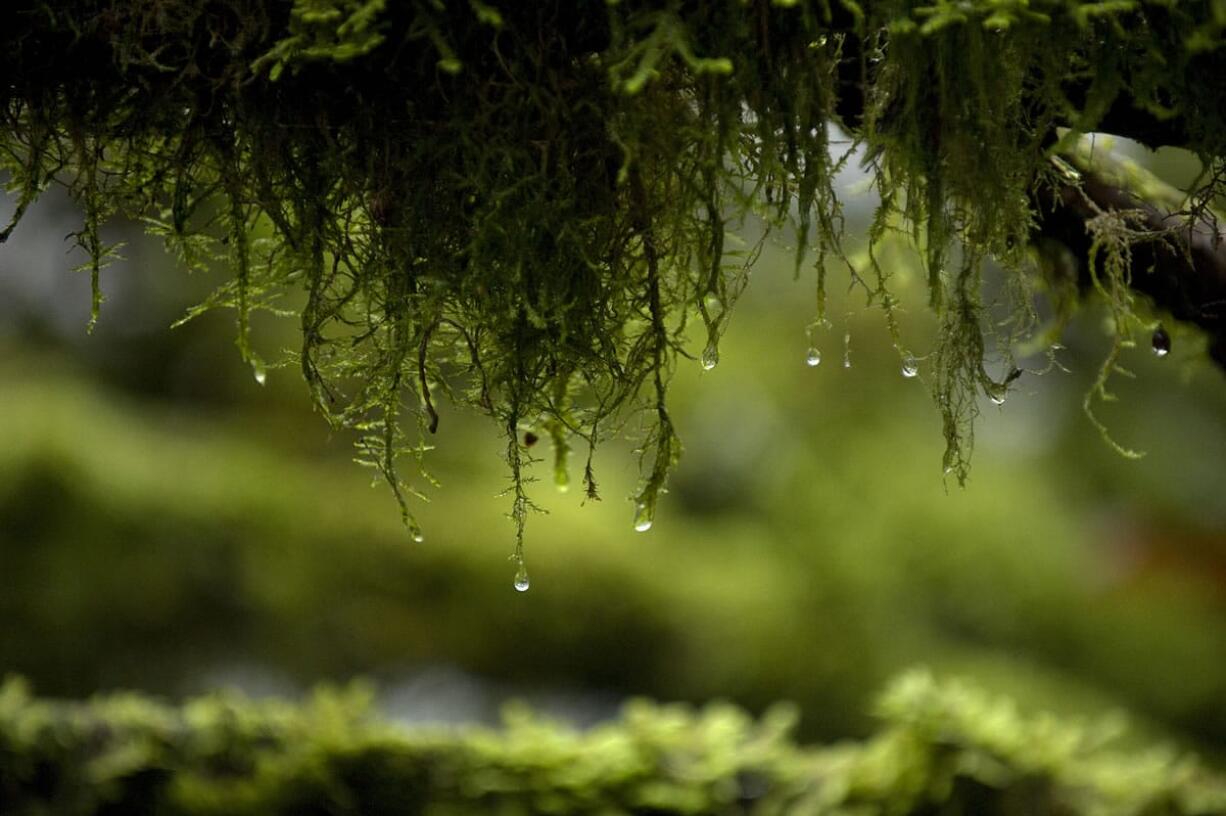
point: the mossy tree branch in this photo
(1177, 254)
(523, 205)
(945, 747)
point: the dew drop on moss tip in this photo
(996, 394)
(417, 536)
(521, 579)
(710, 357)
(1161, 342)
(259, 372)
(910, 368)
(643, 517)
(813, 358)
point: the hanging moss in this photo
(521, 207)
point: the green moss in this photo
(945, 748)
(521, 207)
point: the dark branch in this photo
(1180, 266)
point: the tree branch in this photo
(1180, 265)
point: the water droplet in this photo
(997, 393)
(1161, 342)
(259, 371)
(847, 350)
(909, 367)
(521, 579)
(710, 357)
(417, 536)
(644, 515)
(813, 358)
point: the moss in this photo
(522, 207)
(945, 747)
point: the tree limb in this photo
(1180, 265)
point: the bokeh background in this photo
(169, 525)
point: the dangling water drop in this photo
(644, 515)
(996, 394)
(910, 368)
(813, 358)
(710, 357)
(521, 578)
(259, 371)
(417, 536)
(1161, 342)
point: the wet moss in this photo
(523, 207)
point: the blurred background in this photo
(169, 525)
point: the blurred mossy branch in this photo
(945, 748)
(522, 206)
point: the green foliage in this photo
(945, 748)
(522, 206)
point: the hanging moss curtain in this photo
(522, 206)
